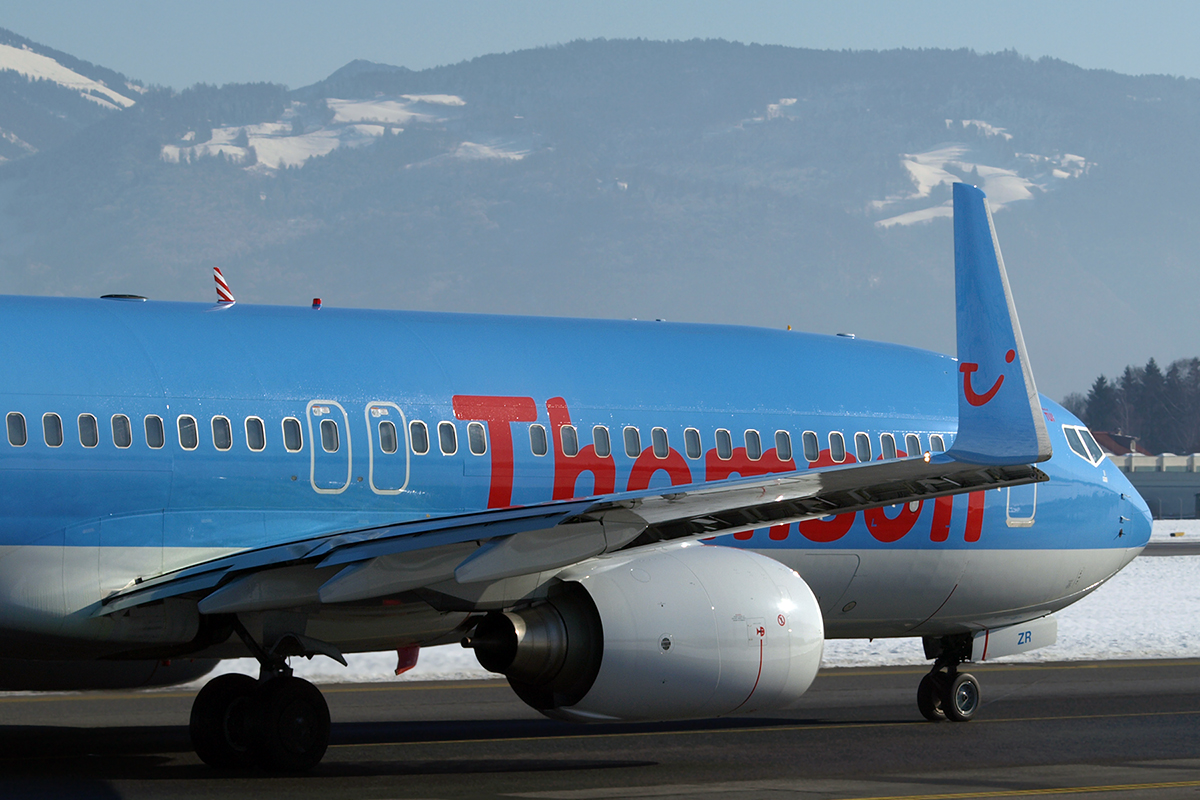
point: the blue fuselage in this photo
(484, 411)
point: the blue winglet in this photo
(999, 414)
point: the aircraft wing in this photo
(493, 545)
(1001, 437)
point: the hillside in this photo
(699, 180)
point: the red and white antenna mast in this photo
(223, 293)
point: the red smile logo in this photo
(973, 397)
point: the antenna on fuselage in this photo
(223, 293)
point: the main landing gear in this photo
(278, 722)
(945, 693)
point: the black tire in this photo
(291, 728)
(962, 698)
(220, 722)
(929, 697)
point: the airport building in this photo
(1169, 483)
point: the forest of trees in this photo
(1161, 409)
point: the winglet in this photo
(999, 414)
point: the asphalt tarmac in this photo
(1115, 729)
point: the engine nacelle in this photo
(675, 632)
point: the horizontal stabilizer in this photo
(999, 414)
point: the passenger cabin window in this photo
(52, 430)
(122, 431)
(887, 443)
(537, 439)
(724, 444)
(912, 444)
(448, 438)
(17, 435)
(476, 438)
(691, 443)
(837, 447)
(330, 441)
(222, 433)
(862, 447)
(388, 441)
(256, 434)
(155, 436)
(293, 436)
(601, 442)
(633, 442)
(658, 442)
(936, 443)
(89, 431)
(783, 445)
(569, 438)
(753, 445)
(189, 438)
(812, 448)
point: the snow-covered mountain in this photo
(46, 96)
(686, 180)
(291, 140)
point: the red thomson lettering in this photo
(497, 412)
(975, 501)
(567, 469)
(826, 530)
(943, 508)
(891, 529)
(647, 464)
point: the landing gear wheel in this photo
(291, 726)
(929, 697)
(961, 697)
(220, 721)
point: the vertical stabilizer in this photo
(999, 414)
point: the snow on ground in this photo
(986, 128)
(955, 161)
(1151, 609)
(355, 123)
(470, 151)
(436, 99)
(380, 111)
(34, 66)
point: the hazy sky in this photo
(298, 42)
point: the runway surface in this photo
(1116, 729)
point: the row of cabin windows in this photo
(539, 443)
(447, 432)
(188, 430)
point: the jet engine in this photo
(674, 632)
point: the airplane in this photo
(630, 520)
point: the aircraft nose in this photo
(1136, 520)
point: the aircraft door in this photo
(329, 446)
(387, 445)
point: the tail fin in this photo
(223, 293)
(999, 414)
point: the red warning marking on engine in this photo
(782, 620)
